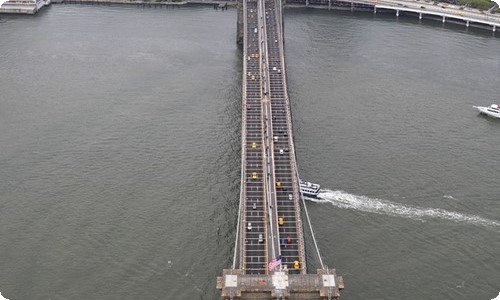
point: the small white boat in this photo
(309, 189)
(492, 110)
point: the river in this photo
(120, 152)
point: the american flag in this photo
(274, 263)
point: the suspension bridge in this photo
(269, 257)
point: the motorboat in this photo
(492, 110)
(309, 189)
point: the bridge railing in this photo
(239, 237)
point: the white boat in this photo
(309, 189)
(492, 110)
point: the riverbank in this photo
(421, 9)
(30, 7)
(218, 4)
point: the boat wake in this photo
(361, 203)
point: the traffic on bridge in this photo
(269, 258)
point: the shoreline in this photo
(31, 7)
(421, 9)
(220, 3)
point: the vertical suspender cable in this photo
(308, 220)
(243, 150)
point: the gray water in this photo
(120, 153)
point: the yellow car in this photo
(254, 145)
(254, 175)
(281, 221)
(296, 264)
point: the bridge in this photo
(269, 258)
(428, 9)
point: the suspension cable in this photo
(307, 216)
(243, 149)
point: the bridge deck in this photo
(421, 8)
(269, 183)
(270, 222)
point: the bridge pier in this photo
(494, 28)
(397, 12)
(420, 16)
(444, 19)
(467, 23)
(235, 284)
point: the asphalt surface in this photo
(270, 225)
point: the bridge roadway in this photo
(268, 189)
(428, 9)
(269, 223)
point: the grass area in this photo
(479, 4)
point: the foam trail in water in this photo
(361, 203)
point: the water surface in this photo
(120, 152)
